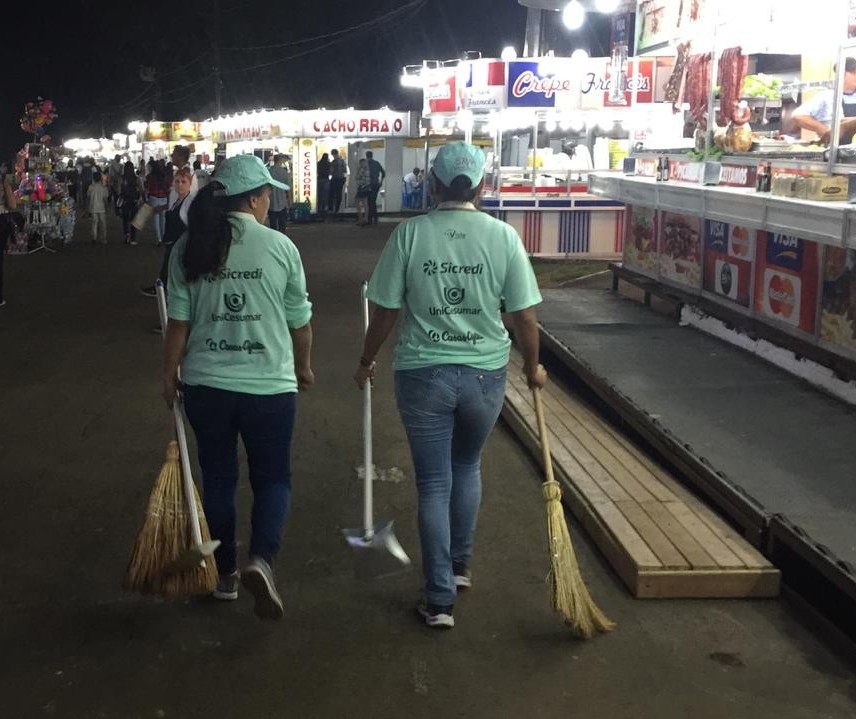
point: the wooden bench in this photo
(660, 539)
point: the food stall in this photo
(307, 135)
(547, 123)
(156, 140)
(752, 220)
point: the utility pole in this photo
(218, 86)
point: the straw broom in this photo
(571, 598)
(164, 538)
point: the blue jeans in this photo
(159, 218)
(266, 425)
(448, 412)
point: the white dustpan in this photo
(378, 552)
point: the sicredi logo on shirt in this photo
(227, 274)
(432, 267)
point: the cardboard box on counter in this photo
(824, 187)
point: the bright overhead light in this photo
(579, 55)
(465, 120)
(606, 6)
(574, 15)
(509, 53)
(414, 81)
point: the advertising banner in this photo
(355, 123)
(440, 90)
(838, 301)
(185, 130)
(481, 85)
(306, 173)
(547, 83)
(729, 251)
(640, 239)
(597, 83)
(680, 249)
(661, 21)
(786, 280)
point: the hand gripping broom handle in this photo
(368, 460)
(181, 435)
(542, 433)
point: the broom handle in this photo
(181, 435)
(542, 434)
(368, 459)
(189, 498)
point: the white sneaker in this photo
(435, 616)
(258, 579)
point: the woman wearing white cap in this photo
(448, 272)
(234, 287)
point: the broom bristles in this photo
(571, 598)
(164, 536)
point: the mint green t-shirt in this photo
(240, 319)
(448, 271)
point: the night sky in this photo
(86, 56)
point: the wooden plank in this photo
(625, 565)
(628, 537)
(672, 489)
(610, 439)
(654, 537)
(564, 445)
(701, 584)
(705, 536)
(633, 547)
(561, 456)
(681, 538)
(595, 469)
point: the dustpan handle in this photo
(181, 436)
(542, 434)
(368, 459)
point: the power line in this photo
(411, 6)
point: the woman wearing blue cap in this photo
(447, 273)
(234, 287)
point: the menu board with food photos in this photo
(838, 299)
(680, 249)
(786, 280)
(640, 241)
(729, 251)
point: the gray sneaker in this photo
(258, 580)
(227, 587)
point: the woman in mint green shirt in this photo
(239, 326)
(446, 274)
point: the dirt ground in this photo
(82, 436)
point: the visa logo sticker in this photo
(785, 251)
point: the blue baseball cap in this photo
(243, 173)
(459, 158)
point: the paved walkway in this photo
(82, 435)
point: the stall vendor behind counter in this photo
(816, 114)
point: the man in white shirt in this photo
(816, 113)
(412, 186)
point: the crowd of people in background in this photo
(161, 192)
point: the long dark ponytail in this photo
(209, 231)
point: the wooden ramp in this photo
(662, 540)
